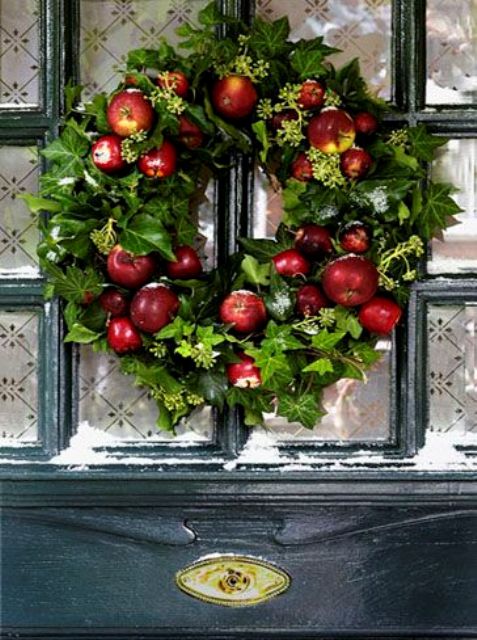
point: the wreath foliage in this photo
(303, 344)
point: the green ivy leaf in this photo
(213, 385)
(255, 272)
(97, 108)
(320, 366)
(260, 130)
(37, 204)
(347, 321)
(270, 39)
(260, 249)
(308, 56)
(438, 207)
(67, 153)
(326, 340)
(423, 144)
(80, 333)
(280, 300)
(301, 408)
(74, 283)
(145, 234)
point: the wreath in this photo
(285, 317)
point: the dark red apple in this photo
(301, 168)
(291, 263)
(187, 265)
(190, 134)
(365, 123)
(234, 97)
(244, 310)
(88, 298)
(380, 315)
(175, 80)
(244, 374)
(312, 94)
(122, 336)
(355, 237)
(276, 122)
(313, 241)
(350, 280)
(160, 162)
(331, 131)
(310, 299)
(106, 154)
(154, 306)
(114, 302)
(355, 163)
(128, 270)
(129, 112)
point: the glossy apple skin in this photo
(244, 374)
(160, 162)
(310, 299)
(186, 266)
(331, 131)
(189, 134)
(365, 123)
(114, 302)
(291, 263)
(175, 80)
(234, 97)
(278, 119)
(380, 315)
(128, 270)
(301, 168)
(244, 310)
(154, 306)
(106, 154)
(355, 163)
(312, 94)
(355, 237)
(350, 280)
(122, 336)
(129, 112)
(313, 241)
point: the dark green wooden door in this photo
(373, 514)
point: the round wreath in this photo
(285, 317)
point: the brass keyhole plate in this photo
(232, 580)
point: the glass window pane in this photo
(110, 28)
(18, 227)
(452, 368)
(356, 411)
(451, 52)
(457, 251)
(109, 401)
(19, 53)
(360, 28)
(18, 376)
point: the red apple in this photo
(310, 299)
(350, 280)
(160, 162)
(365, 123)
(331, 131)
(122, 336)
(244, 310)
(187, 264)
(189, 133)
(312, 94)
(234, 97)
(301, 168)
(175, 80)
(106, 154)
(128, 270)
(88, 298)
(276, 122)
(129, 112)
(291, 263)
(355, 237)
(244, 374)
(154, 306)
(114, 302)
(355, 163)
(380, 315)
(313, 241)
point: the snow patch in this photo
(261, 448)
(21, 272)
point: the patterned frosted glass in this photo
(452, 368)
(110, 28)
(19, 53)
(457, 251)
(360, 28)
(356, 411)
(451, 52)
(18, 227)
(109, 401)
(18, 376)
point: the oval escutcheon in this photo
(232, 580)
